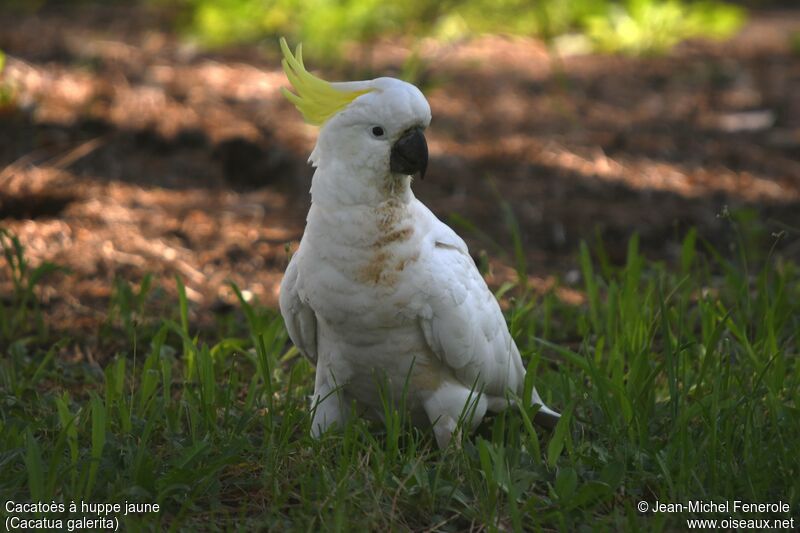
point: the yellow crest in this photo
(316, 98)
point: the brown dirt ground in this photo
(129, 151)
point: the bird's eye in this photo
(377, 131)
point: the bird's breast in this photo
(388, 256)
(371, 246)
(358, 269)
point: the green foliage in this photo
(632, 26)
(794, 42)
(547, 19)
(654, 26)
(24, 6)
(6, 90)
(674, 385)
(322, 25)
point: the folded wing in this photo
(301, 323)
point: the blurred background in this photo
(150, 138)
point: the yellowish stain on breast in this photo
(398, 235)
(373, 271)
(383, 267)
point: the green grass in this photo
(676, 383)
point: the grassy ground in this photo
(676, 382)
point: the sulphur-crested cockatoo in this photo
(380, 294)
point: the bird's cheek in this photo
(377, 162)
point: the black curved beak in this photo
(410, 154)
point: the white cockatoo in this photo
(381, 295)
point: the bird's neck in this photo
(336, 185)
(354, 211)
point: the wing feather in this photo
(465, 326)
(301, 322)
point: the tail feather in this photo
(545, 416)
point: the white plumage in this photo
(382, 295)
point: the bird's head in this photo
(374, 127)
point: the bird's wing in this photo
(461, 319)
(301, 323)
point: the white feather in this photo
(382, 295)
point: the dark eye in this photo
(377, 131)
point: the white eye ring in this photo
(377, 132)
